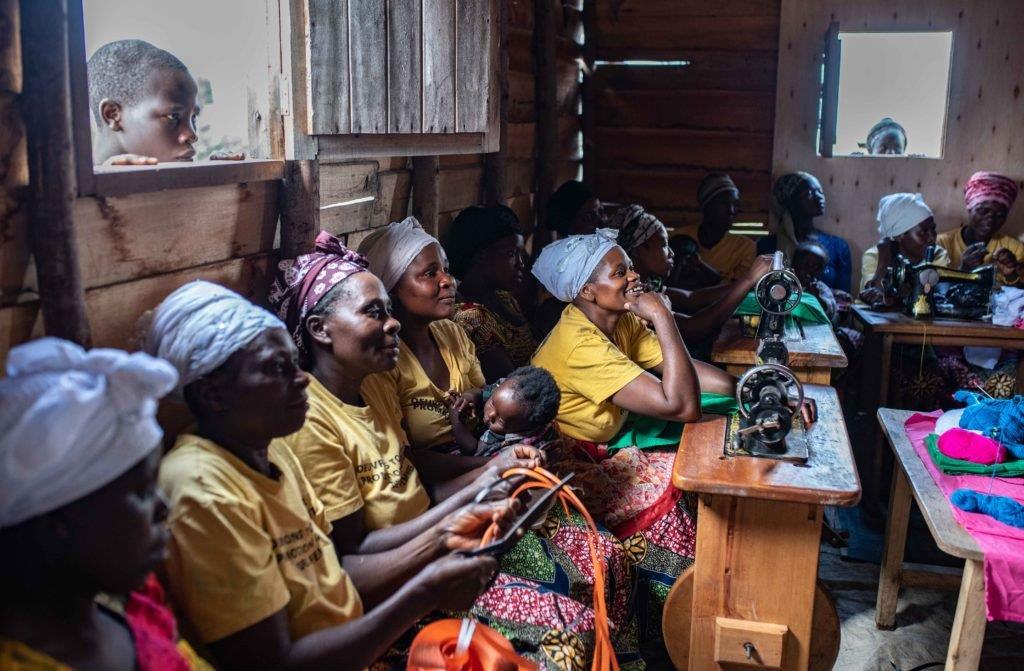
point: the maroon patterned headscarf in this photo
(303, 281)
(989, 186)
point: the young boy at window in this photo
(143, 100)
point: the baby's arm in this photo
(461, 414)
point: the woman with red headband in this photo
(988, 197)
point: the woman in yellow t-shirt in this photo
(80, 512)
(353, 449)
(251, 563)
(436, 361)
(988, 197)
(604, 359)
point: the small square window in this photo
(889, 94)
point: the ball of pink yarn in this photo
(969, 446)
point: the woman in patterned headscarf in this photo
(988, 197)
(355, 452)
(700, 313)
(797, 199)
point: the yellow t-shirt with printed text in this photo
(355, 457)
(954, 243)
(732, 257)
(589, 369)
(243, 546)
(423, 406)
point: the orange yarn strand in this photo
(604, 654)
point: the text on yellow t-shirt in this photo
(355, 457)
(243, 545)
(423, 406)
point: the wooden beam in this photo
(546, 82)
(588, 91)
(425, 191)
(299, 201)
(51, 191)
(494, 163)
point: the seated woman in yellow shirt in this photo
(607, 363)
(436, 360)
(730, 255)
(353, 449)
(988, 198)
(907, 227)
(602, 354)
(251, 563)
(80, 512)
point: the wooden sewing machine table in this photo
(812, 357)
(758, 534)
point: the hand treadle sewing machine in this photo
(769, 395)
(926, 290)
(762, 500)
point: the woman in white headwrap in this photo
(608, 363)
(251, 562)
(906, 226)
(437, 362)
(80, 512)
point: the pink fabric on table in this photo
(1002, 545)
(969, 446)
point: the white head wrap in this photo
(391, 249)
(72, 422)
(900, 212)
(565, 265)
(200, 325)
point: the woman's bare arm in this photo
(676, 396)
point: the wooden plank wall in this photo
(460, 177)
(387, 57)
(985, 118)
(135, 249)
(660, 129)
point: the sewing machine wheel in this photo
(825, 632)
(778, 292)
(782, 379)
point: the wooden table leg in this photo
(738, 574)
(1020, 372)
(892, 554)
(878, 458)
(869, 399)
(968, 633)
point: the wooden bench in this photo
(911, 478)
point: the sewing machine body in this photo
(769, 395)
(926, 290)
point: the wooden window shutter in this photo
(388, 67)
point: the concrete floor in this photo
(923, 623)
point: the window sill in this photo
(125, 180)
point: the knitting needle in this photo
(982, 390)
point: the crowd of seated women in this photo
(348, 443)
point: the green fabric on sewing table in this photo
(950, 466)
(647, 432)
(809, 310)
